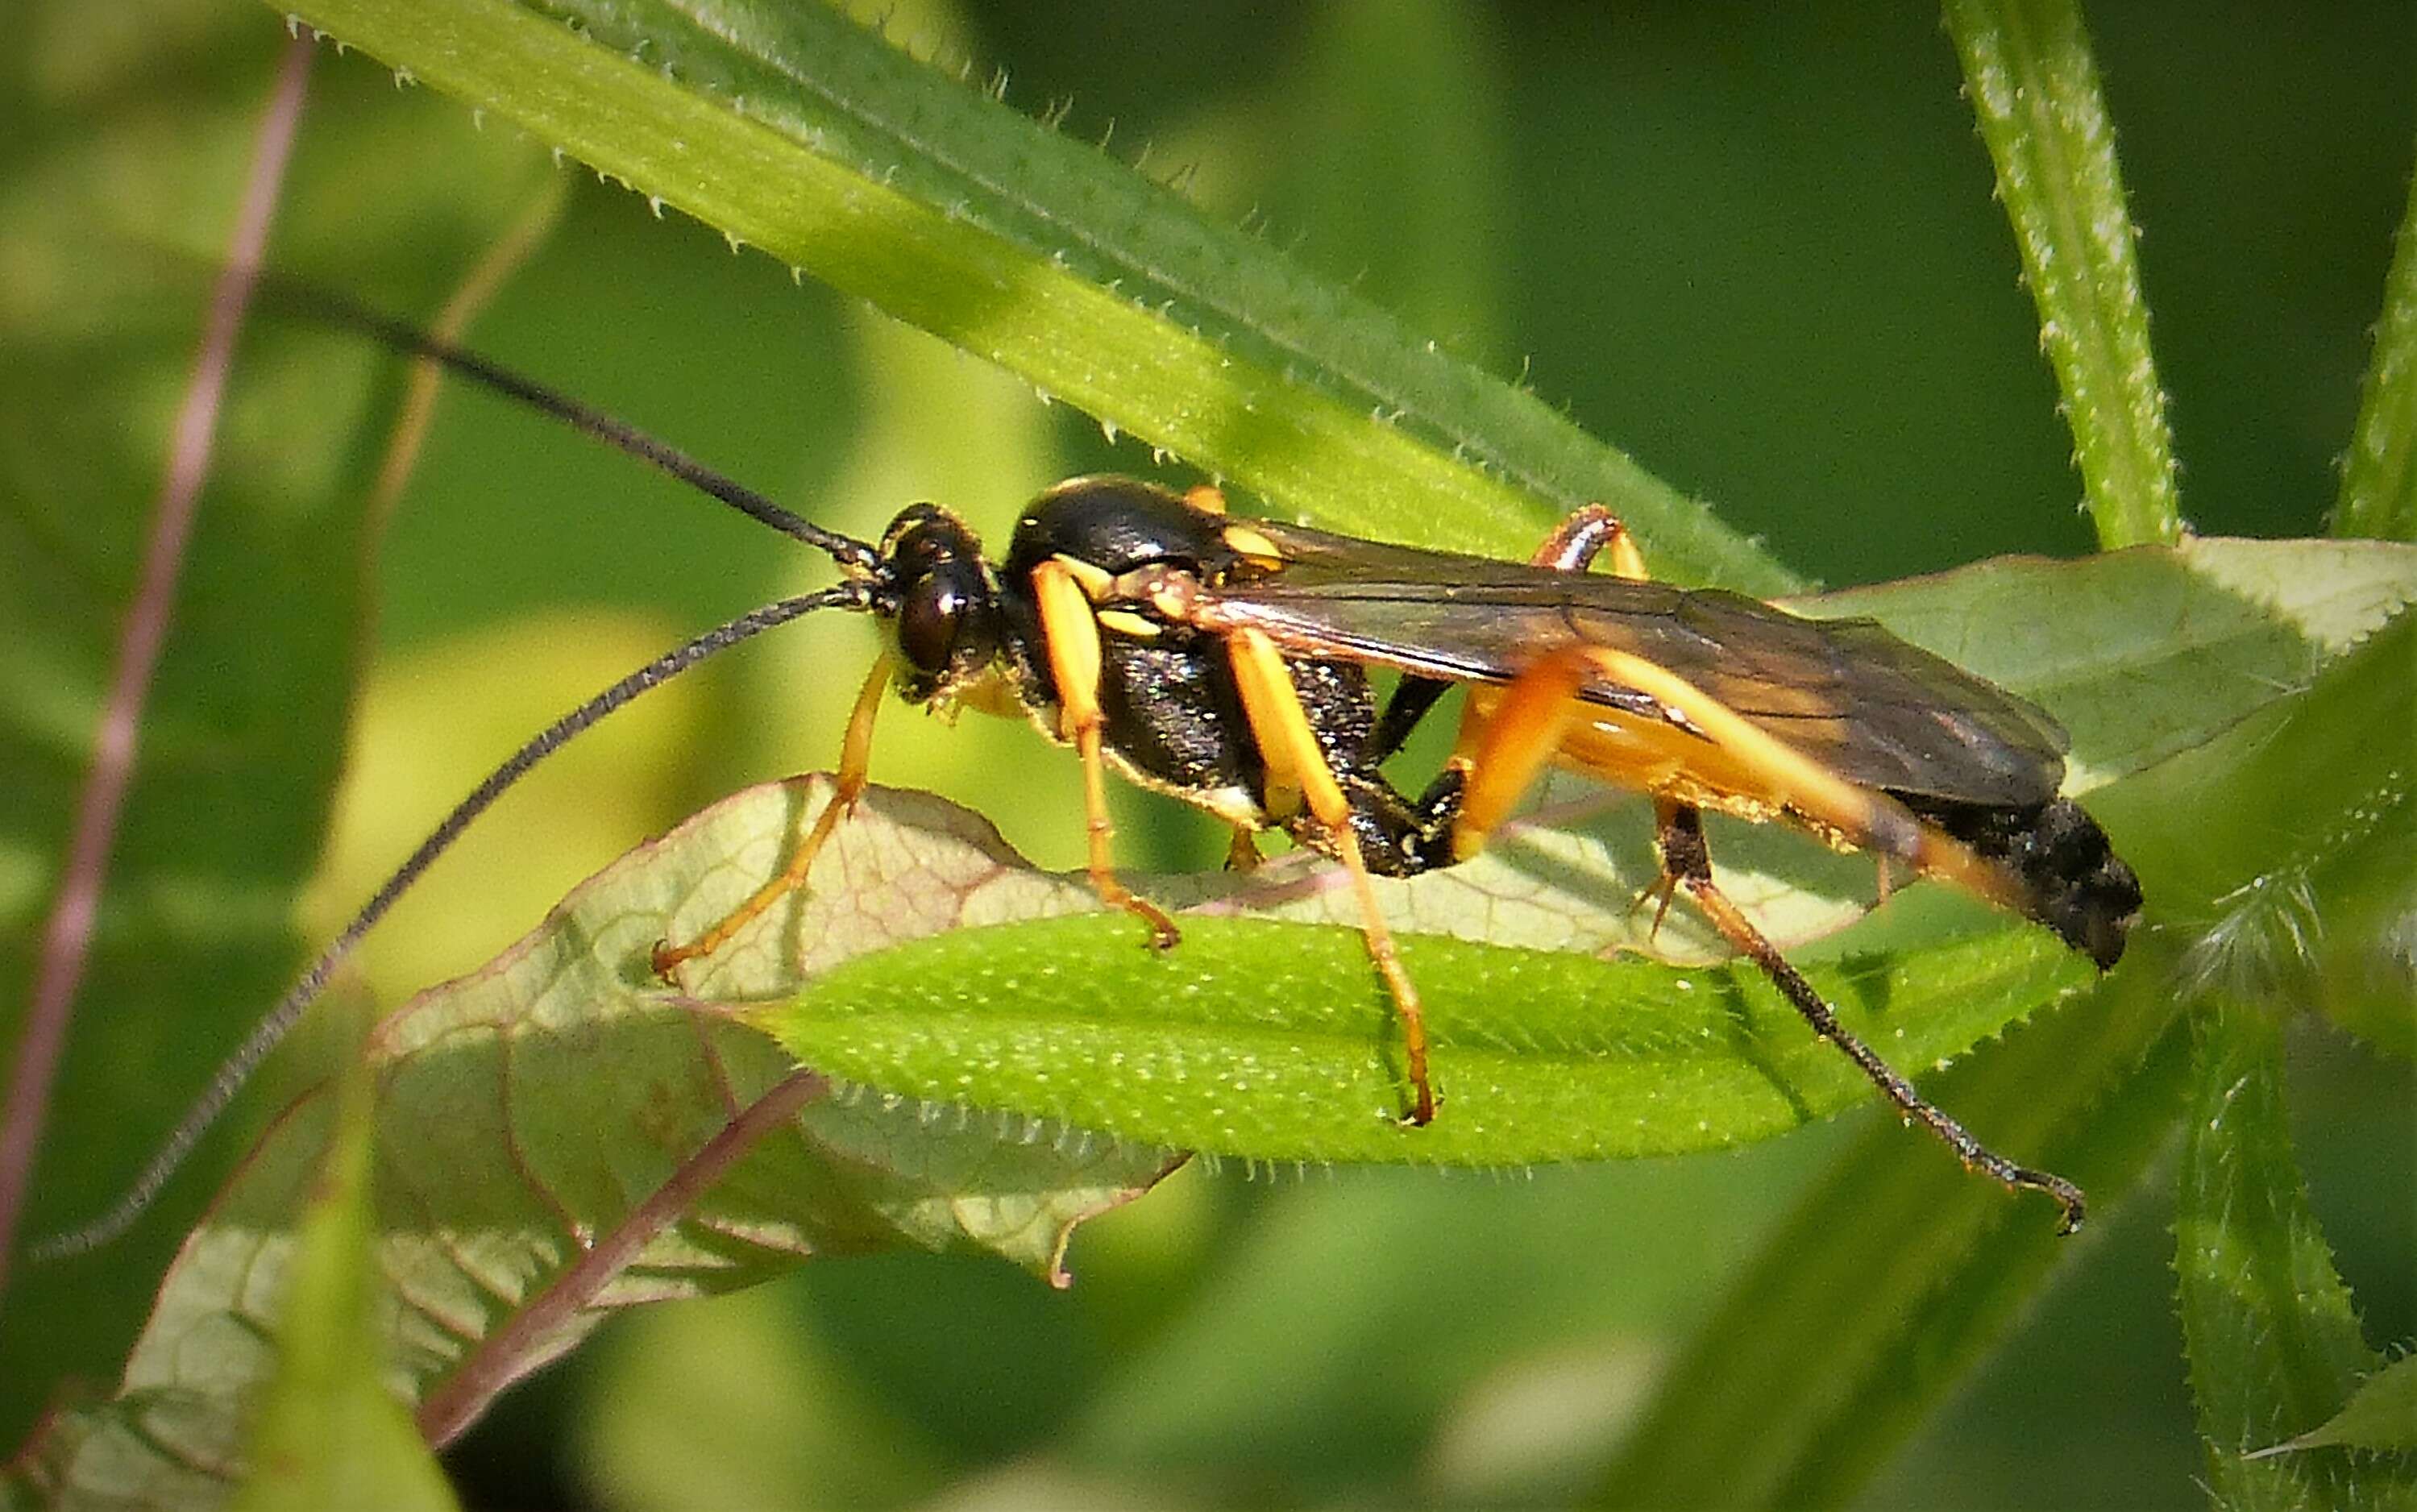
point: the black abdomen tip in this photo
(2074, 881)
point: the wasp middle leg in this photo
(1299, 774)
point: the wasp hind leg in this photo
(855, 765)
(1686, 862)
(1588, 531)
(1524, 729)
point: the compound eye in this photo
(928, 625)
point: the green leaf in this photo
(2379, 491)
(329, 1432)
(2034, 88)
(1276, 1041)
(558, 1137)
(2267, 1327)
(2152, 651)
(2381, 1414)
(1842, 1335)
(791, 129)
(117, 177)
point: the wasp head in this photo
(945, 622)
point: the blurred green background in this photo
(1754, 246)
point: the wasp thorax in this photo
(946, 625)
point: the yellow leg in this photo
(1074, 639)
(855, 764)
(1289, 750)
(1506, 741)
(1506, 745)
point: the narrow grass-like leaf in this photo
(2034, 88)
(2378, 493)
(2382, 1415)
(329, 1432)
(793, 129)
(2267, 1327)
(1843, 1335)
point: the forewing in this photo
(1847, 692)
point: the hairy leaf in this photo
(2034, 89)
(2381, 1414)
(792, 129)
(2379, 491)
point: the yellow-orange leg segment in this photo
(855, 765)
(1074, 639)
(1295, 764)
(1572, 548)
(1505, 743)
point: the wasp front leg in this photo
(855, 767)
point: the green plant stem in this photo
(1846, 1331)
(2378, 493)
(2269, 1329)
(2035, 92)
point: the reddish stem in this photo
(67, 934)
(500, 1358)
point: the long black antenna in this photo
(302, 297)
(237, 1067)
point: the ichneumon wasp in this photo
(1226, 662)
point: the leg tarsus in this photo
(668, 958)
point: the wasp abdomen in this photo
(2074, 881)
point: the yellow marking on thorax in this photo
(1260, 551)
(1097, 583)
(1126, 622)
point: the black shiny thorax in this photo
(1118, 525)
(1173, 718)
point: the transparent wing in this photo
(1871, 708)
